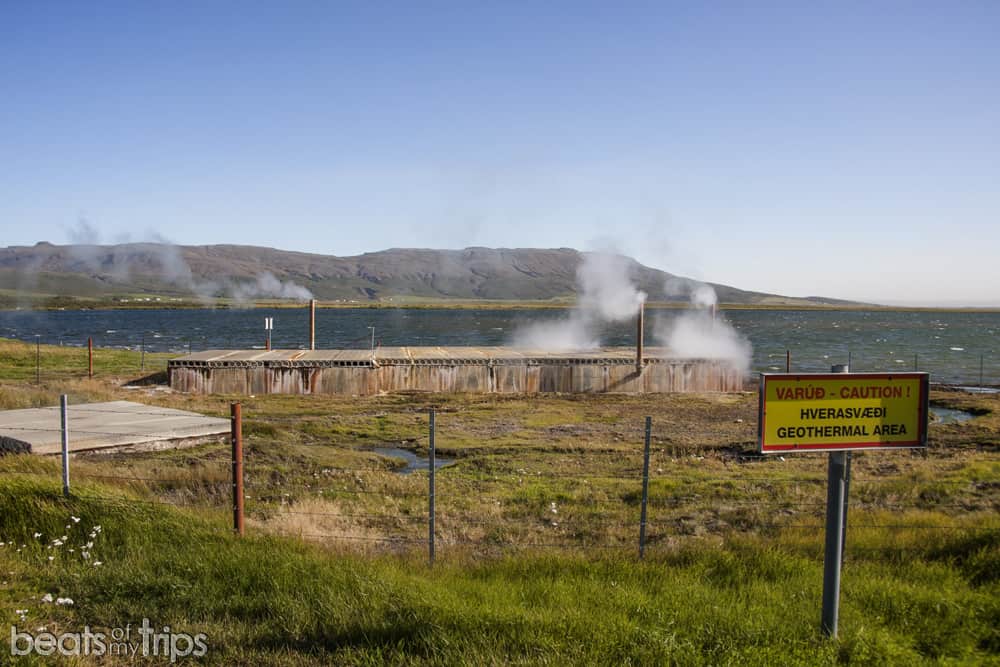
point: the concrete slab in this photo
(102, 425)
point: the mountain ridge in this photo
(394, 274)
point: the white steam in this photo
(607, 293)
(166, 259)
(267, 285)
(606, 287)
(699, 334)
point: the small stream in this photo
(413, 461)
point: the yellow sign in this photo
(838, 411)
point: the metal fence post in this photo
(64, 428)
(142, 353)
(645, 490)
(788, 361)
(236, 436)
(430, 519)
(90, 357)
(847, 478)
(836, 499)
(38, 354)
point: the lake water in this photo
(948, 345)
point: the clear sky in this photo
(805, 148)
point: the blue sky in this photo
(842, 149)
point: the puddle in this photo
(949, 416)
(980, 390)
(413, 462)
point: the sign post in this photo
(837, 413)
(268, 326)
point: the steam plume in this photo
(167, 259)
(699, 334)
(606, 294)
(267, 285)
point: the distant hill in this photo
(399, 274)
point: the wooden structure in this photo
(447, 369)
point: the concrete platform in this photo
(102, 425)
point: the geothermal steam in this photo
(606, 294)
(699, 334)
(122, 261)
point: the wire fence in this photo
(631, 498)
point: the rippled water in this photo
(949, 345)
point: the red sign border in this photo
(920, 441)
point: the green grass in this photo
(280, 601)
(734, 565)
(55, 363)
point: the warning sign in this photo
(838, 411)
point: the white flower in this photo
(57, 543)
(88, 545)
(85, 554)
(64, 601)
(47, 597)
(37, 535)
(52, 558)
(75, 519)
(64, 538)
(98, 563)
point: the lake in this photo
(948, 345)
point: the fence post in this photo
(980, 373)
(835, 504)
(645, 490)
(90, 357)
(430, 520)
(236, 436)
(788, 361)
(38, 354)
(64, 428)
(142, 353)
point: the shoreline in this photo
(489, 305)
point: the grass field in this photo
(537, 533)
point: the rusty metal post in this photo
(639, 328)
(312, 324)
(90, 357)
(236, 437)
